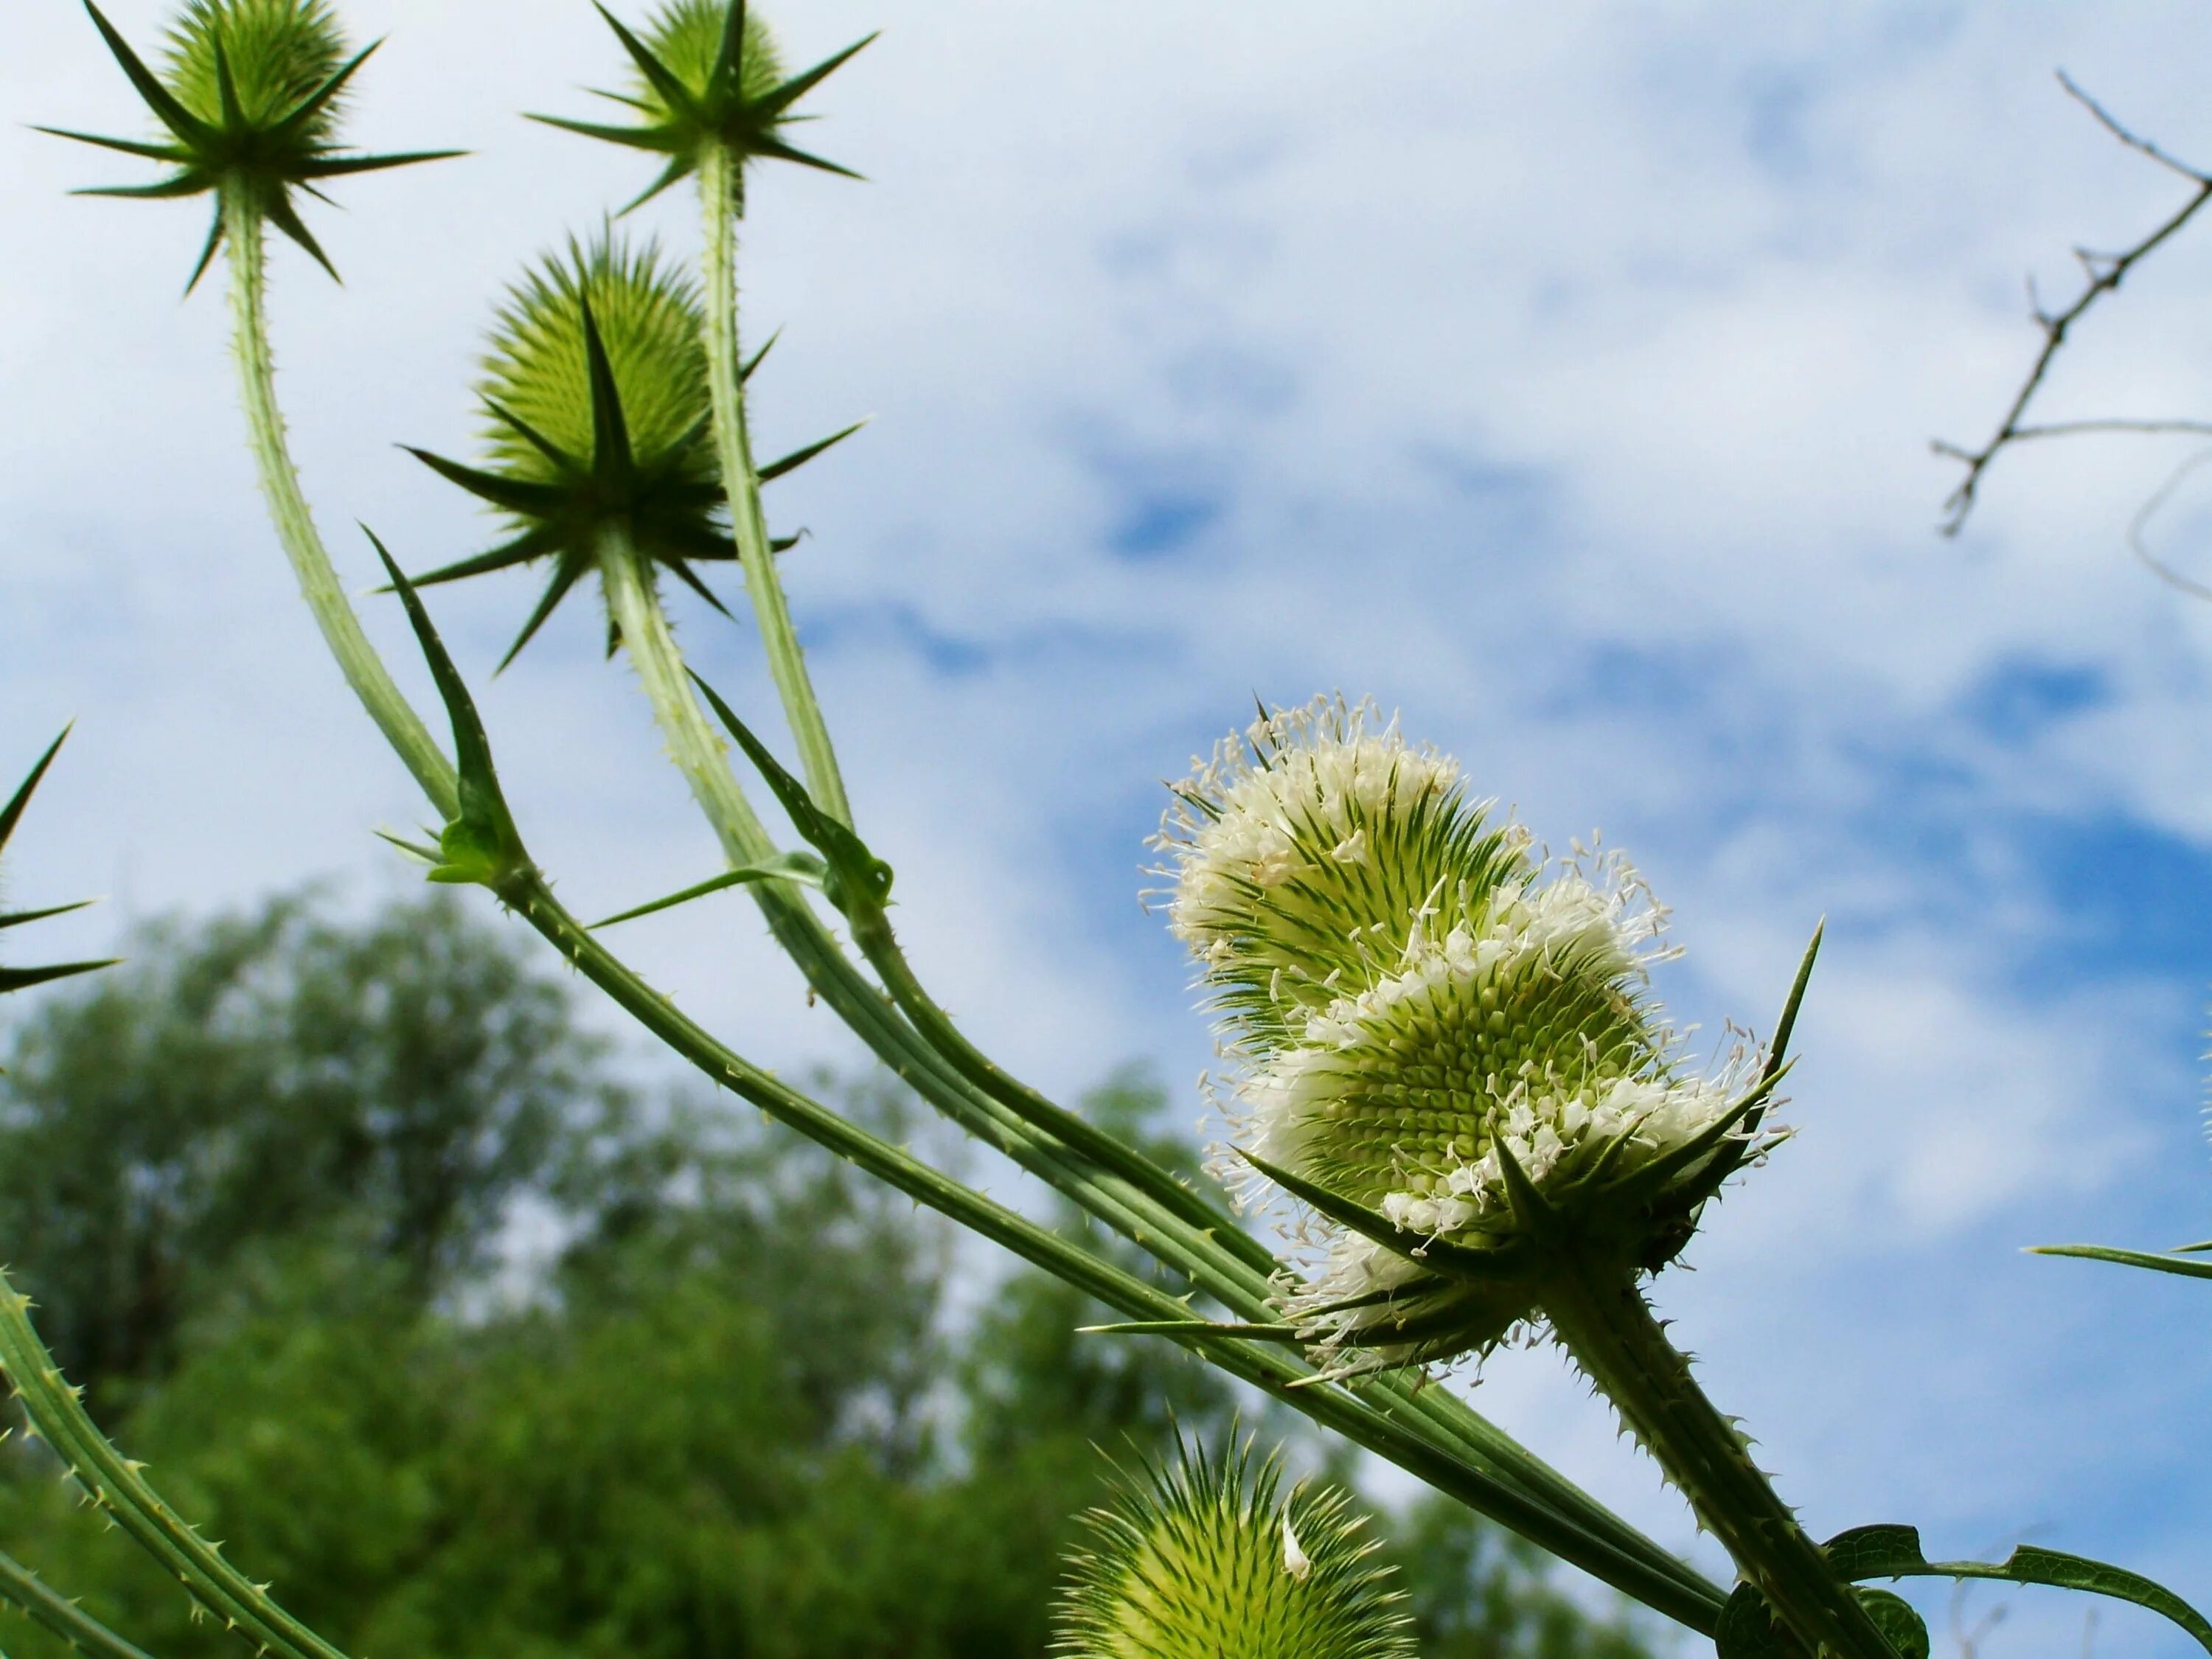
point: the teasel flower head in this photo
(706, 73)
(596, 420)
(248, 98)
(1205, 1558)
(11, 814)
(1446, 1044)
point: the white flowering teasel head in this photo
(1447, 1044)
(1208, 1557)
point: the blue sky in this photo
(1563, 380)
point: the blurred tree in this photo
(725, 1416)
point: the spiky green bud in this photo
(594, 390)
(1449, 1046)
(248, 101)
(707, 74)
(22, 978)
(1207, 1558)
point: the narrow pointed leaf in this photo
(233, 113)
(538, 440)
(2150, 1259)
(207, 251)
(18, 918)
(12, 813)
(164, 190)
(785, 866)
(728, 72)
(857, 877)
(690, 578)
(776, 149)
(281, 213)
(1453, 1261)
(172, 114)
(1193, 1328)
(516, 494)
(610, 453)
(654, 138)
(1894, 1552)
(658, 75)
(332, 167)
(1784, 1027)
(481, 844)
(679, 167)
(1535, 1212)
(746, 370)
(534, 544)
(799, 85)
(128, 146)
(307, 109)
(798, 457)
(414, 849)
(566, 575)
(22, 979)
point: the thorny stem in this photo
(1218, 1259)
(1425, 1430)
(1601, 1316)
(49, 1606)
(311, 563)
(720, 180)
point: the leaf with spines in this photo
(248, 102)
(709, 75)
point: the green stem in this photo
(49, 1606)
(311, 561)
(1218, 1258)
(720, 180)
(1430, 1433)
(1601, 1316)
(116, 1485)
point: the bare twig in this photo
(2104, 272)
(2157, 566)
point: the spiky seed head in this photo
(598, 420)
(1426, 1010)
(686, 36)
(1205, 1558)
(278, 54)
(536, 365)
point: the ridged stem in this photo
(49, 1606)
(720, 181)
(357, 661)
(1425, 1430)
(1600, 1315)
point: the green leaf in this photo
(1452, 1261)
(22, 979)
(1749, 1630)
(798, 457)
(855, 877)
(481, 845)
(785, 866)
(2155, 1263)
(1894, 1552)
(12, 813)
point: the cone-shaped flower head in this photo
(1207, 1558)
(11, 814)
(594, 390)
(1448, 1047)
(707, 73)
(248, 98)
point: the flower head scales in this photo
(1448, 1043)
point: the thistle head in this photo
(247, 100)
(1209, 1559)
(707, 75)
(22, 978)
(1449, 1045)
(598, 420)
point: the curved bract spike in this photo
(11, 814)
(250, 91)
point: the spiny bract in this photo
(686, 36)
(11, 814)
(1206, 1558)
(598, 421)
(248, 102)
(1429, 1012)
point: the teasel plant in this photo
(614, 448)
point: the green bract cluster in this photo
(595, 390)
(248, 102)
(707, 76)
(1207, 1558)
(1449, 1050)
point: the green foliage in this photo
(11, 814)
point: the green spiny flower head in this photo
(707, 76)
(248, 100)
(1448, 1046)
(1208, 1559)
(598, 419)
